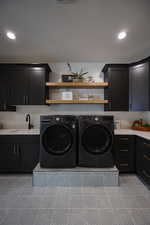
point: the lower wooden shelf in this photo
(48, 101)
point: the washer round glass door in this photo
(57, 139)
(97, 139)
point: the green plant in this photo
(79, 75)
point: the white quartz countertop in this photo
(19, 132)
(143, 134)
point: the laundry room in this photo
(74, 112)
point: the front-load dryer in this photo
(58, 138)
(96, 141)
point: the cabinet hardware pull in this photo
(147, 145)
(27, 99)
(146, 157)
(124, 150)
(124, 164)
(146, 174)
(24, 100)
(14, 149)
(18, 151)
(124, 139)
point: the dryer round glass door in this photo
(97, 139)
(57, 139)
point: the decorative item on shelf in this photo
(67, 95)
(89, 79)
(77, 76)
(67, 78)
(95, 96)
(91, 97)
(75, 95)
(83, 97)
(138, 125)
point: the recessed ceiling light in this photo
(10, 35)
(122, 35)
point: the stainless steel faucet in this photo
(28, 119)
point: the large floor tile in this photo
(106, 217)
(140, 216)
(93, 190)
(3, 215)
(76, 219)
(124, 202)
(43, 217)
(59, 217)
(122, 217)
(20, 217)
(61, 202)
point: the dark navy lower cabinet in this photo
(19, 153)
(124, 152)
(143, 159)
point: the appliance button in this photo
(57, 118)
(96, 119)
(73, 126)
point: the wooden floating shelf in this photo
(76, 101)
(76, 84)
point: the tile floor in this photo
(21, 204)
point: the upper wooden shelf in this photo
(98, 101)
(76, 84)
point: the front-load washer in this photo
(58, 140)
(96, 141)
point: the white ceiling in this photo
(83, 31)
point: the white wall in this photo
(17, 119)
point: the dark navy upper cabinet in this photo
(4, 88)
(23, 84)
(140, 86)
(117, 92)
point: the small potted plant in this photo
(77, 76)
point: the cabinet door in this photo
(4, 89)
(29, 154)
(37, 86)
(139, 149)
(139, 87)
(117, 92)
(125, 153)
(9, 157)
(19, 80)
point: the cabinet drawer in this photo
(123, 166)
(146, 148)
(124, 141)
(123, 153)
(124, 149)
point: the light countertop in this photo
(143, 134)
(19, 132)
